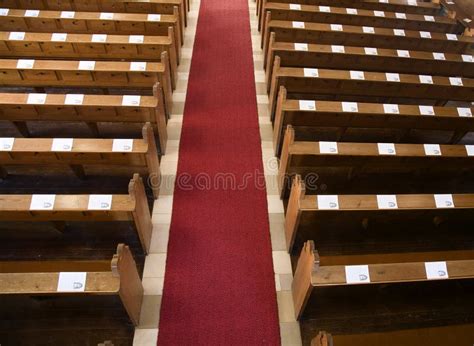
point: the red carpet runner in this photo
(219, 286)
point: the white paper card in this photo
(25, 63)
(99, 38)
(425, 34)
(455, 81)
(379, 13)
(311, 72)
(74, 99)
(350, 107)
(106, 15)
(130, 100)
(137, 66)
(426, 110)
(67, 14)
(42, 202)
(58, 37)
(412, 2)
(338, 49)
(387, 202)
(358, 274)
(469, 150)
(439, 56)
(403, 53)
(154, 17)
(62, 144)
(122, 145)
(401, 15)
(467, 58)
(99, 202)
(86, 65)
(72, 282)
(451, 37)
(368, 30)
(328, 147)
(299, 25)
(301, 46)
(432, 149)
(429, 18)
(370, 51)
(383, 1)
(386, 149)
(425, 79)
(399, 32)
(32, 13)
(4, 11)
(351, 11)
(324, 9)
(357, 75)
(391, 108)
(328, 202)
(336, 27)
(6, 143)
(436, 270)
(36, 99)
(136, 39)
(307, 105)
(392, 77)
(464, 112)
(16, 36)
(296, 7)
(444, 201)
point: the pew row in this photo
(367, 86)
(88, 74)
(91, 109)
(307, 117)
(83, 157)
(59, 209)
(96, 46)
(367, 58)
(347, 161)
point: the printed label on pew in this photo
(301, 46)
(337, 49)
(72, 282)
(74, 99)
(455, 81)
(307, 105)
(412, 2)
(137, 66)
(444, 201)
(62, 144)
(6, 143)
(86, 65)
(392, 77)
(464, 112)
(296, 7)
(383, 1)
(452, 37)
(432, 149)
(106, 15)
(467, 58)
(399, 32)
(130, 100)
(436, 270)
(370, 51)
(36, 99)
(425, 34)
(324, 9)
(154, 17)
(357, 75)
(391, 108)
(32, 13)
(387, 202)
(426, 110)
(429, 18)
(386, 149)
(4, 11)
(469, 149)
(425, 79)
(16, 36)
(358, 274)
(311, 72)
(350, 107)
(336, 27)
(403, 53)
(368, 30)
(379, 13)
(439, 56)
(122, 145)
(99, 38)
(136, 39)
(58, 37)
(328, 147)
(326, 202)
(351, 11)
(401, 15)
(299, 25)
(42, 202)
(68, 14)
(25, 63)
(99, 202)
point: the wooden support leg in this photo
(3, 173)
(59, 226)
(94, 129)
(22, 128)
(341, 133)
(457, 136)
(78, 171)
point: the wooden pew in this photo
(117, 277)
(306, 117)
(367, 58)
(349, 35)
(131, 208)
(83, 156)
(367, 86)
(96, 46)
(95, 22)
(88, 74)
(308, 216)
(381, 161)
(92, 109)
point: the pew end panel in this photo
(293, 211)
(154, 172)
(141, 214)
